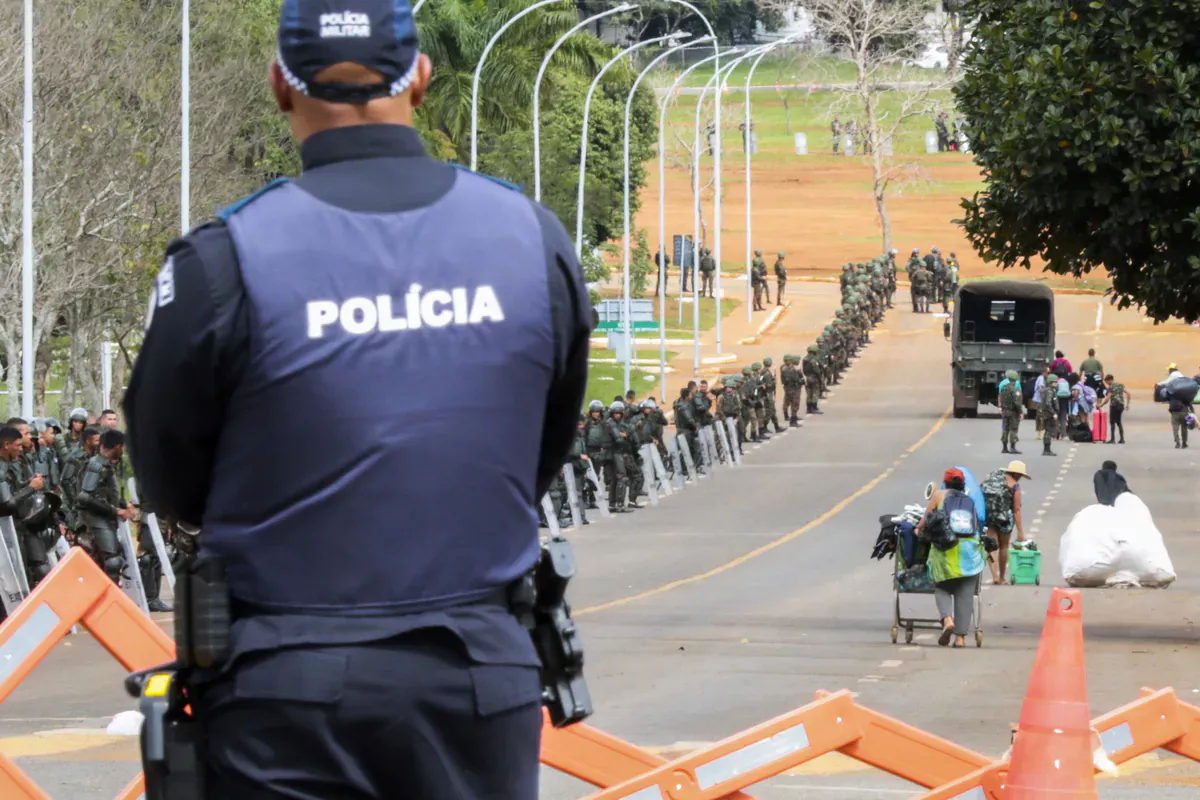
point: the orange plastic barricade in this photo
(831, 722)
(75, 592)
(1156, 719)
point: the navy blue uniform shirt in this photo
(197, 348)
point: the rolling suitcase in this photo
(1099, 425)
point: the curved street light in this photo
(628, 110)
(662, 229)
(587, 108)
(537, 89)
(696, 216)
(479, 72)
(749, 225)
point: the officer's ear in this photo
(416, 91)
(280, 88)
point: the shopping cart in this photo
(905, 582)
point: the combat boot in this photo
(1047, 451)
(1004, 449)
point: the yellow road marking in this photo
(769, 546)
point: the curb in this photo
(765, 328)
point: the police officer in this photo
(373, 651)
(102, 503)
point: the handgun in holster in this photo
(548, 617)
(173, 757)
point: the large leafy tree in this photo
(562, 127)
(1085, 117)
(454, 33)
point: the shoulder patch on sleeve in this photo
(229, 210)
(499, 181)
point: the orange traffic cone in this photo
(1052, 753)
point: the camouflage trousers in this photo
(779, 287)
(791, 403)
(1010, 424)
(706, 284)
(633, 471)
(1049, 425)
(749, 426)
(770, 412)
(812, 388)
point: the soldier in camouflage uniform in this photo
(103, 505)
(731, 408)
(914, 264)
(793, 388)
(577, 462)
(758, 273)
(1011, 409)
(770, 412)
(780, 279)
(748, 389)
(1048, 412)
(708, 267)
(685, 429)
(812, 378)
(629, 448)
(922, 287)
(600, 437)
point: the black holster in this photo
(540, 602)
(173, 755)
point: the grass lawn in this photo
(651, 353)
(1095, 284)
(606, 381)
(708, 313)
(775, 124)
(788, 67)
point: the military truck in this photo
(999, 326)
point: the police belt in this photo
(505, 598)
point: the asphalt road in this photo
(727, 606)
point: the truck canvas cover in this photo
(1008, 310)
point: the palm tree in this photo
(454, 33)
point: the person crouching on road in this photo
(1002, 495)
(955, 570)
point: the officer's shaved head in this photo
(10, 442)
(309, 115)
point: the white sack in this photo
(1115, 546)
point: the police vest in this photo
(398, 355)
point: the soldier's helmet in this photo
(893, 252)
(782, 254)
(51, 422)
(747, 370)
(707, 252)
(78, 414)
(37, 425)
(1012, 375)
(812, 348)
(616, 408)
(756, 366)
(839, 312)
(846, 266)
(767, 361)
(648, 403)
(916, 250)
(594, 406)
(758, 252)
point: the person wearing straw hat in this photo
(1002, 498)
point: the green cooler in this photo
(1024, 566)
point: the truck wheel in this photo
(959, 413)
(972, 413)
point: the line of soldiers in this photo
(931, 278)
(71, 485)
(758, 280)
(611, 437)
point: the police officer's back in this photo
(373, 651)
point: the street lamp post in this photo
(583, 139)
(629, 349)
(537, 88)
(479, 72)
(185, 124)
(749, 224)
(27, 223)
(662, 227)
